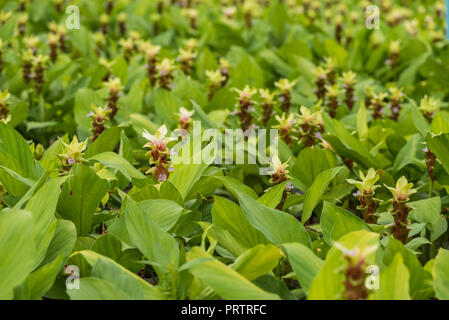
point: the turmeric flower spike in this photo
(72, 153)
(429, 106)
(4, 96)
(184, 118)
(215, 80)
(115, 91)
(365, 195)
(279, 174)
(99, 118)
(267, 105)
(245, 105)
(165, 73)
(224, 70)
(285, 93)
(396, 97)
(285, 126)
(310, 126)
(333, 92)
(401, 194)
(159, 161)
(348, 79)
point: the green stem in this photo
(430, 188)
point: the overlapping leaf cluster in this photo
(354, 207)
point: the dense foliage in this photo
(354, 207)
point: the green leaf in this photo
(336, 222)
(304, 262)
(62, 242)
(97, 289)
(236, 187)
(39, 281)
(394, 282)
(419, 121)
(316, 191)
(426, 210)
(228, 216)
(114, 161)
(257, 261)
(347, 145)
(310, 163)
(410, 153)
(84, 99)
(278, 226)
(166, 104)
(15, 154)
(130, 283)
(185, 176)
(362, 121)
(81, 196)
(273, 196)
(441, 275)
(419, 277)
(439, 145)
(108, 245)
(43, 206)
(16, 249)
(107, 141)
(328, 284)
(165, 213)
(225, 281)
(156, 244)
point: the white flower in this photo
(184, 114)
(157, 140)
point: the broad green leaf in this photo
(278, 226)
(316, 191)
(439, 145)
(39, 281)
(273, 196)
(156, 244)
(84, 99)
(114, 161)
(420, 287)
(130, 283)
(409, 154)
(107, 141)
(228, 216)
(345, 144)
(427, 210)
(236, 187)
(336, 222)
(225, 281)
(15, 154)
(257, 261)
(16, 249)
(43, 206)
(62, 242)
(441, 280)
(394, 282)
(328, 284)
(108, 245)
(185, 176)
(304, 262)
(309, 164)
(362, 122)
(97, 289)
(80, 197)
